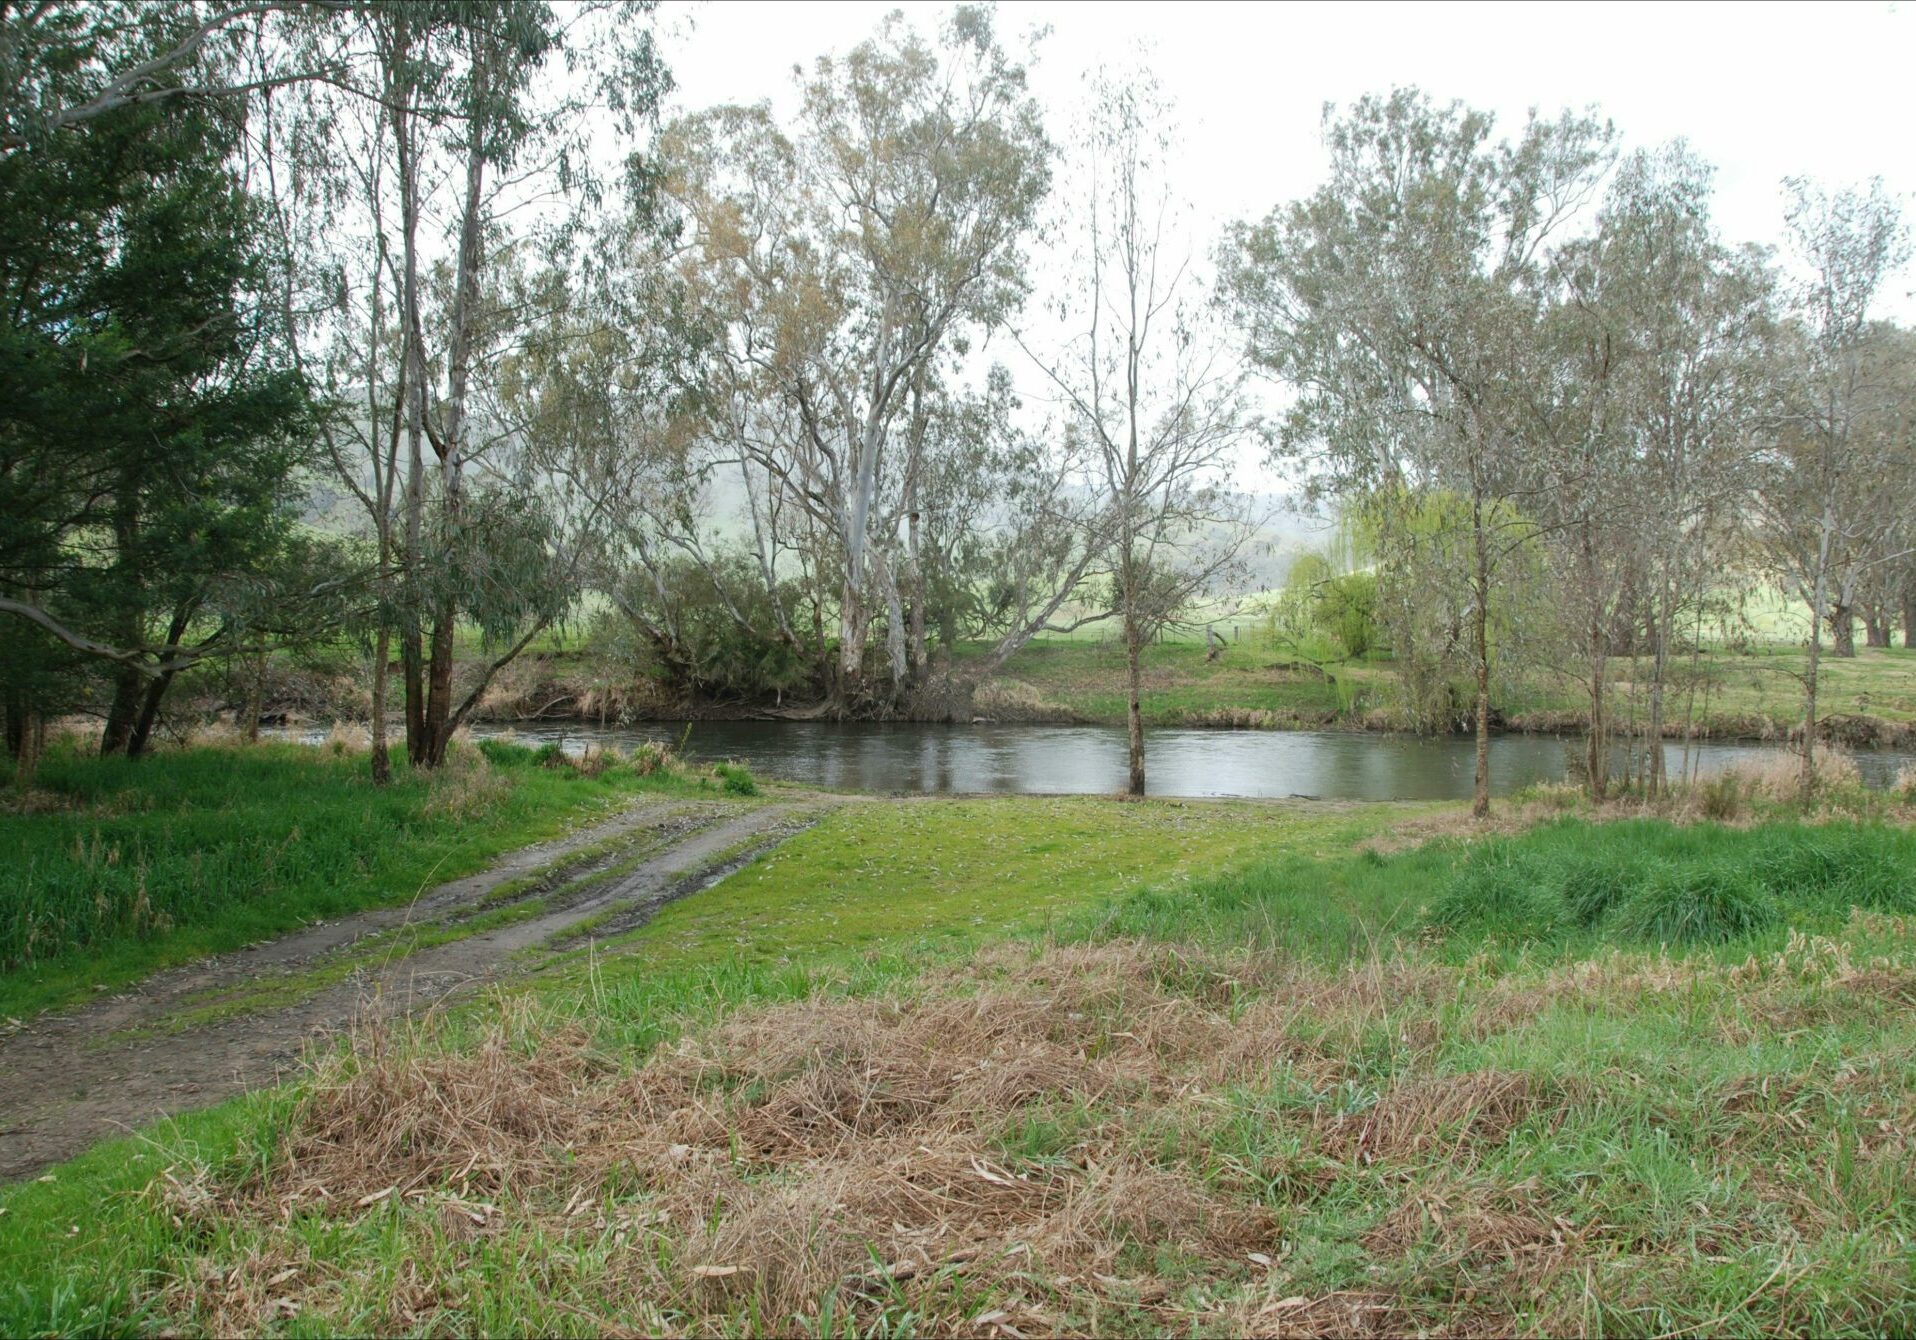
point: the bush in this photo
(1721, 797)
(736, 779)
(1699, 904)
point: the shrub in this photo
(1721, 797)
(1696, 904)
(735, 778)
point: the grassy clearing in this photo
(1746, 692)
(1292, 1086)
(115, 868)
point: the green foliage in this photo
(735, 779)
(1506, 892)
(126, 864)
(696, 627)
(1650, 882)
(1702, 904)
(135, 282)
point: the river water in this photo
(892, 757)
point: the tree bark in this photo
(156, 688)
(1480, 636)
(1842, 630)
(1808, 785)
(129, 629)
(1134, 710)
(452, 449)
(1876, 627)
(382, 763)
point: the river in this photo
(890, 757)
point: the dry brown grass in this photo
(859, 1148)
(465, 785)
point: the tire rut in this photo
(70, 1080)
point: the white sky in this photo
(1763, 91)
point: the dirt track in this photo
(187, 1039)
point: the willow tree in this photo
(833, 262)
(1402, 302)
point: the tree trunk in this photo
(129, 625)
(1842, 630)
(382, 764)
(1909, 619)
(256, 698)
(27, 738)
(1876, 627)
(1808, 785)
(156, 689)
(412, 651)
(452, 448)
(1134, 710)
(1480, 636)
(1659, 670)
(916, 633)
(853, 626)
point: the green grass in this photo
(1753, 690)
(122, 867)
(1659, 1079)
(878, 875)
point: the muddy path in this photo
(192, 1036)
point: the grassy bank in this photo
(1753, 692)
(116, 867)
(1211, 1068)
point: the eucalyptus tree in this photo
(832, 265)
(1822, 520)
(465, 138)
(1150, 391)
(1402, 302)
(1658, 333)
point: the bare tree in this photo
(1143, 381)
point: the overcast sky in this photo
(1761, 90)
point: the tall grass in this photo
(122, 864)
(1571, 885)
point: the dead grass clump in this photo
(348, 737)
(1466, 1223)
(1445, 1112)
(1904, 787)
(860, 1147)
(465, 785)
(1015, 700)
(394, 1114)
(1778, 777)
(1344, 1315)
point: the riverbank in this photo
(113, 868)
(995, 1066)
(1749, 695)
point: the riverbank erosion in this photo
(1070, 1065)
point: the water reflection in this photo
(1055, 760)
